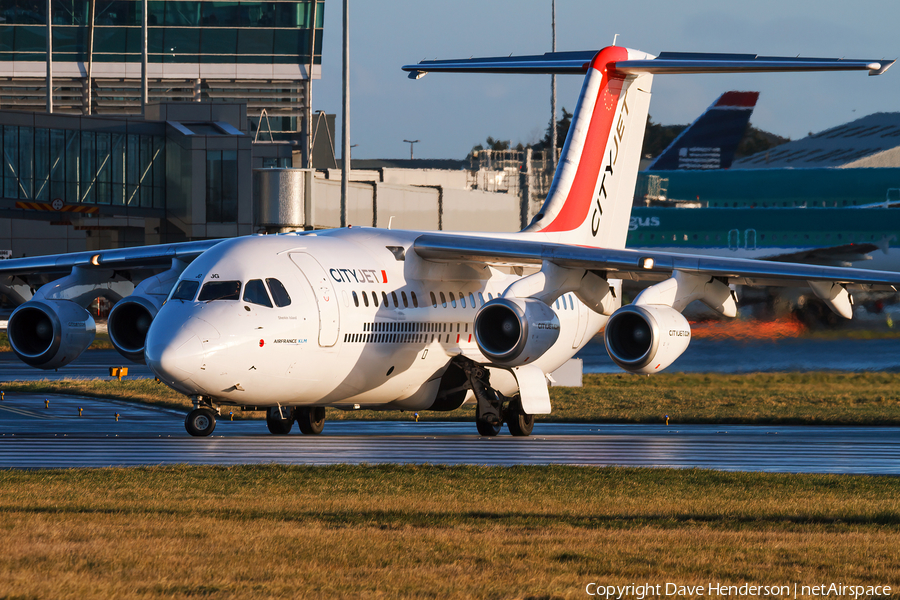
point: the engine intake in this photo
(128, 322)
(49, 334)
(515, 331)
(646, 338)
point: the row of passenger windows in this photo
(255, 292)
(565, 302)
(397, 338)
(409, 333)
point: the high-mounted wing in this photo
(644, 265)
(144, 257)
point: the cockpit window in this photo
(279, 294)
(186, 290)
(255, 293)
(220, 290)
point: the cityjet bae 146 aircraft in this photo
(384, 319)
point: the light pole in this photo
(411, 142)
(49, 58)
(345, 117)
(553, 94)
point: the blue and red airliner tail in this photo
(711, 141)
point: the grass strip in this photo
(821, 398)
(431, 531)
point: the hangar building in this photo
(853, 164)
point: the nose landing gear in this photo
(201, 421)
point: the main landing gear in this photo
(310, 419)
(279, 420)
(493, 408)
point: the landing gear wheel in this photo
(311, 420)
(487, 429)
(200, 422)
(278, 425)
(518, 423)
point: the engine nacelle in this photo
(49, 334)
(515, 331)
(129, 321)
(646, 338)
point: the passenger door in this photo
(326, 298)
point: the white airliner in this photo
(384, 319)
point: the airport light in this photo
(411, 142)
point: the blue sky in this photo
(450, 113)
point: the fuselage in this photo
(346, 318)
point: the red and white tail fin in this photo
(589, 202)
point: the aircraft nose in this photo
(175, 358)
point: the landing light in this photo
(95, 260)
(647, 263)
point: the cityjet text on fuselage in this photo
(358, 275)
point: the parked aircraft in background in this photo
(385, 319)
(863, 237)
(711, 141)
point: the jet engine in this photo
(129, 321)
(646, 338)
(515, 331)
(49, 334)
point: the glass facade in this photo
(180, 31)
(90, 167)
(221, 186)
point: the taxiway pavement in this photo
(33, 436)
(93, 364)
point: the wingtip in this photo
(877, 68)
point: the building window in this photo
(221, 186)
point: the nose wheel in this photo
(200, 422)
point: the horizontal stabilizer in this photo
(665, 63)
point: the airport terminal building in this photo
(94, 171)
(262, 53)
